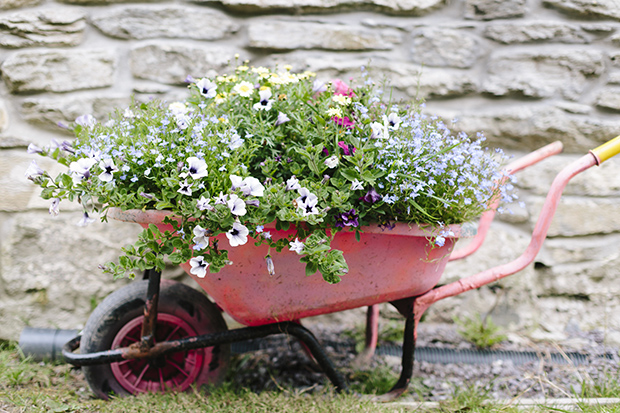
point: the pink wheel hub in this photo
(177, 371)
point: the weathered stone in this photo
(171, 21)
(609, 98)
(494, 9)
(96, 2)
(615, 59)
(409, 80)
(527, 32)
(613, 78)
(587, 8)
(50, 112)
(615, 39)
(59, 71)
(15, 4)
(595, 182)
(521, 127)
(536, 74)
(4, 116)
(46, 27)
(400, 7)
(580, 216)
(568, 251)
(47, 291)
(291, 35)
(171, 63)
(435, 46)
(572, 107)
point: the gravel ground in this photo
(282, 363)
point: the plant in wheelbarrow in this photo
(284, 195)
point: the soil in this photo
(281, 363)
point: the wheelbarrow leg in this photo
(371, 338)
(405, 307)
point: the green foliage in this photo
(481, 331)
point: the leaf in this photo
(311, 268)
(350, 173)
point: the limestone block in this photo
(291, 35)
(4, 116)
(397, 7)
(16, 189)
(45, 27)
(171, 63)
(615, 59)
(49, 112)
(568, 251)
(494, 9)
(49, 269)
(538, 74)
(614, 78)
(15, 4)
(580, 216)
(170, 21)
(519, 127)
(527, 32)
(609, 98)
(615, 39)
(59, 70)
(436, 46)
(587, 8)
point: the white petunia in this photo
(378, 130)
(264, 103)
(296, 246)
(86, 220)
(204, 203)
(307, 202)
(178, 108)
(207, 88)
(80, 169)
(356, 185)
(108, 170)
(252, 186)
(238, 235)
(33, 171)
(392, 121)
(221, 198)
(55, 207)
(282, 118)
(236, 205)
(332, 161)
(197, 167)
(199, 266)
(185, 188)
(201, 240)
(292, 184)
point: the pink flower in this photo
(344, 121)
(346, 148)
(341, 88)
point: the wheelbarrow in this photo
(157, 335)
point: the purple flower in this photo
(348, 149)
(347, 219)
(371, 196)
(282, 118)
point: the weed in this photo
(481, 331)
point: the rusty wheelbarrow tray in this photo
(156, 345)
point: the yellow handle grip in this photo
(607, 150)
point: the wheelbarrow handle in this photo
(607, 150)
(487, 217)
(595, 157)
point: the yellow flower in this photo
(223, 120)
(242, 68)
(244, 88)
(264, 88)
(288, 68)
(220, 97)
(341, 100)
(334, 112)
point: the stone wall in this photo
(526, 72)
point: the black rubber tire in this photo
(125, 305)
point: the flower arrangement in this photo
(259, 146)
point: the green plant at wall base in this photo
(481, 331)
(259, 146)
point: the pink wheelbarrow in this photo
(156, 335)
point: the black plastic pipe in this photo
(44, 343)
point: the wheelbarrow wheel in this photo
(182, 312)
